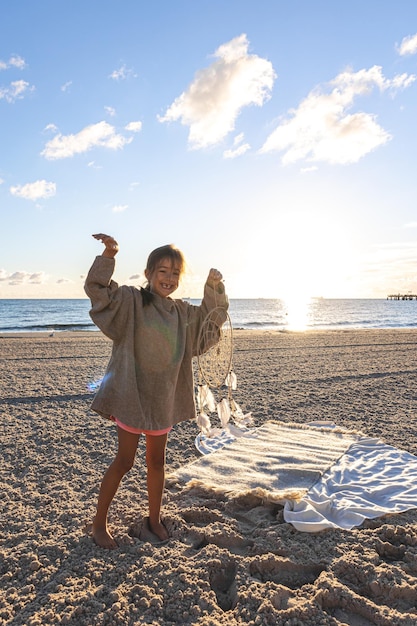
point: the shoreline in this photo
(25, 334)
(229, 560)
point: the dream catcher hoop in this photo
(215, 373)
(215, 348)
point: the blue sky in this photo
(274, 140)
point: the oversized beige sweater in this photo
(149, 382)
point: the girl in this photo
(148, 386)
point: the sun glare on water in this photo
(297, 312)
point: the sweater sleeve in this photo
(108, 311)
(214, 299)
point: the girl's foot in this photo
(159, 530)
(103, 538)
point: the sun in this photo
(314, 254)
(294, 257)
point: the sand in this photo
(229, 561)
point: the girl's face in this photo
(165, 278)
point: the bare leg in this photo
(125, 457)
(155, 461)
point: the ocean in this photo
(252, 314)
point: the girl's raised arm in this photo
(214, 279)
(111, 245)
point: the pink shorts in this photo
(140, 431)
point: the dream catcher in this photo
(216, 379)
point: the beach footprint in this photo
(223, 583)
(201, 516)
(210, 527)
(378, 582)
(251, 512)
(284, 572)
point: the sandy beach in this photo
(229, 561)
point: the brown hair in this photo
(169, 252)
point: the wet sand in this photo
(229, 561)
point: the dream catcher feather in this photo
(215, 375)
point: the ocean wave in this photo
(257, 325)
(33, 328)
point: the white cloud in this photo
(213, 101)
(238, 149)
(134, 127)
(1, 181)
(321, 129)
(110, 111)
(34, 191)
(17, 278)
(37, 278)
(408, 45)
(396, 262)
(14, 61)
(66, 86)
(15, 91)
(236, 152)
(51, 127)
(64, 281)
(122, 73)
(101, 134)
(17, 61)
(119, 208)
(21, 277)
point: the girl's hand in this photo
(111, 245)
(214, 278)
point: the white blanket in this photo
(276, 461)
(325, 477)
(370, 480)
